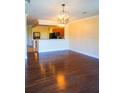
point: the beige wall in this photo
(44, 31)
(84, 36)
(29, 35)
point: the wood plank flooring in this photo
(61, 72)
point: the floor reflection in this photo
(61, 82)
(33, 69)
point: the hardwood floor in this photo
(61, 72)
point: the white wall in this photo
(53, 44)
(84, 36)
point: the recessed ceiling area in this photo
(49, 9)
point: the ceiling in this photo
(49, 9)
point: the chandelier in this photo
(63, 18)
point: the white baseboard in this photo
(52, 50)
(88, 54)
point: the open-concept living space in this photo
(62, 46)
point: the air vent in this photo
(84, 12)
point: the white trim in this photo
(86, 18)
(53, 50)
(47, 22)
(91, 55)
